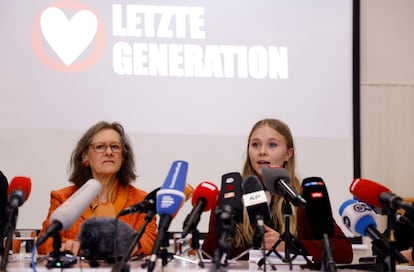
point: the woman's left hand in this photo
(271, 237)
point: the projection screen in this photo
(187, 79)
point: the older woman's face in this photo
(104, 155)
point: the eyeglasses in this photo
(101, 147)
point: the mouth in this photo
(108, 161)
(263, 163)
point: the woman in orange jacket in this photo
(103, 153)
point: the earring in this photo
(86, 163)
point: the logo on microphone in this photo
(68, 36)
(166, 201)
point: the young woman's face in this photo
(105, 153)
(268, 147)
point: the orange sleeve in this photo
(56, 199)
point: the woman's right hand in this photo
(71, 245)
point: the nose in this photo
(108, 147)
(263, 150)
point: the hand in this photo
(72, 245)
(271, 237)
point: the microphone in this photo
(231, 194)
(358, 217)
(70, 210)
(318, 209)
(204, 198)
(169, 200)
(104, 238)
(277, 181)
(255, 201)
(4, 185)
(377, 195)
(19, 191)
(148, 204)
(3, 208)
(229, 212)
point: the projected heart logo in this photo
(68, 37)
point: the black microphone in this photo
(318, 208)
(3, 208)
(255, 201)
(148, 204)
(231, 195)
(277, 181)
(229, 212)
(4, 185)
(204, 198)
(104, 238)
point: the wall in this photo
(387, 94)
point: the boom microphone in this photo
(377, 195)
(169, 200)
(148, 204)
(204, 198)
(277, 181)
(358, 217)
(97, 238)
(318, 208)
(70, 210)
(19, 191)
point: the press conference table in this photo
(175, 265)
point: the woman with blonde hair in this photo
(270, 142)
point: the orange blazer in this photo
(125, 196)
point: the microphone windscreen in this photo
(231, 194)
(19, 183)
(271, 174)
(368, 191)
(318, 208)
(98, 237)
(357, 216)
(208, 191)
(70, 210)
(171, 195)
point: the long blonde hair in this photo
(244, 232)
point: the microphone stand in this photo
(291, 243)
(225, 221)
(391, 237)
(121, 265)
(9, 229)
(195, 245)
(58, 258)
(328, 262)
